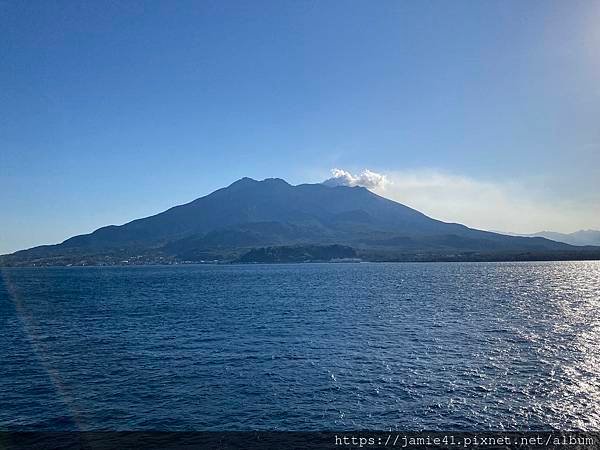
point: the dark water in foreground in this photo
(316, 346)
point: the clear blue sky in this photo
(114, 110)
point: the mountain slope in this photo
(250, 214)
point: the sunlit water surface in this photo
(311, 346)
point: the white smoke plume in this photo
(367, 178)
(522, 206)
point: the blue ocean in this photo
(461, 346)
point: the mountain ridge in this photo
(578, 238)
(249, 214)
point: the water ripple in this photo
(302, 347)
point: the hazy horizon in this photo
(479, 113)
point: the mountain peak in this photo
(246, 181)
(275, 181)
